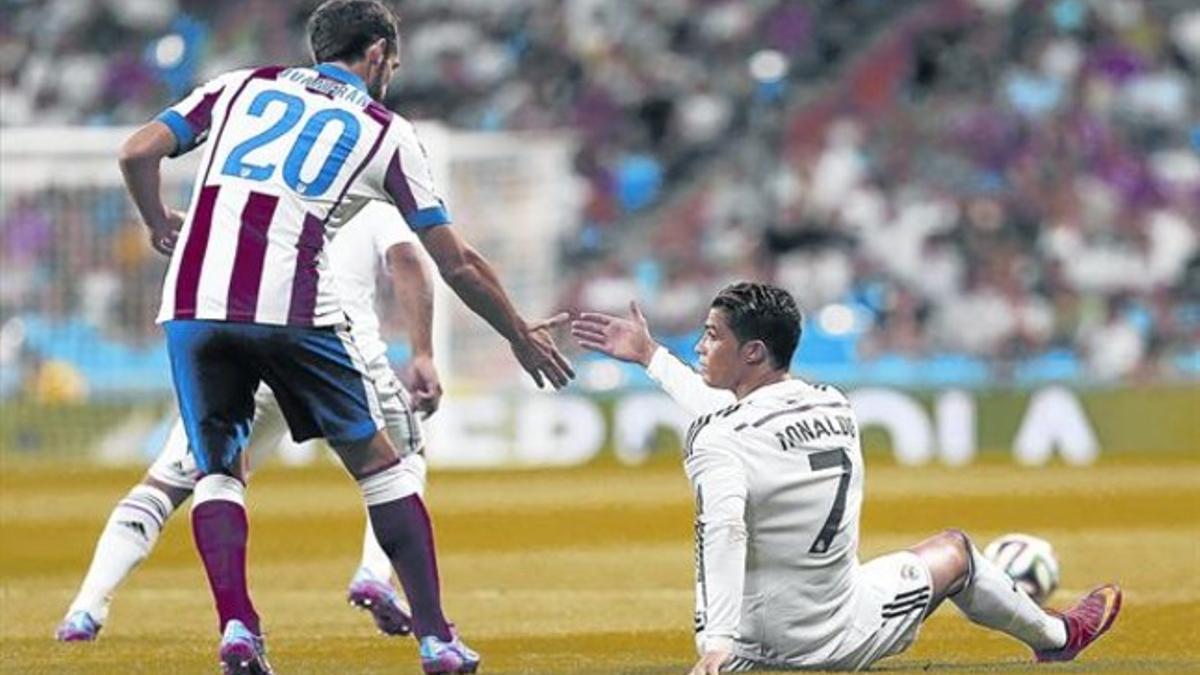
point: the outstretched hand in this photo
(539, 356)
(627, 339)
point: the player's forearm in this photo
(476, 283)
(414, 295)
(144, 184)
(139, 159)
(685, 385)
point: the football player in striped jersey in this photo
(249, 298)
(370, 245)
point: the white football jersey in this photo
(357, 255)
(777, 479)
(287, 149)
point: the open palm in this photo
(627, 339)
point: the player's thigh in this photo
(215, 375)
(895, 592)
(324, 389)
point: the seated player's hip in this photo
(891, 595)
(317, 375)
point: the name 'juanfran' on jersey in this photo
(287, 148)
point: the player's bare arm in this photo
(625, 339)
(472, 278)
(414, 296)
(139, 159)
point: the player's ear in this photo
(377, 52)
(754, 352)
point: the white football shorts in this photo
(893, 599)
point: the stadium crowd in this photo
(1017, 183)
(1009, 181)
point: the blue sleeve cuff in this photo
(185, 138)
(427, 218)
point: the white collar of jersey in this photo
(341, 75)
(774, 389)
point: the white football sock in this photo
(992, 599)
(374, 560)
(128, 537)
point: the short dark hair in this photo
(763, 312)
(341, 30)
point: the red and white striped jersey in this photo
(290, 151)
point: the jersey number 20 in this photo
(293, 110)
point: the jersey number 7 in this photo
(830, 459)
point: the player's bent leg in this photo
(216, 371)
(371, 589)
(985, 594)
(324, 386)
(947, 555)
(128, 538)
(405, 534)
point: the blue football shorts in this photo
(317, 375)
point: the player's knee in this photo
(947, 555)
(389, 485)
(368, 456)
(958, 539)
(177, 495)
(959, 544)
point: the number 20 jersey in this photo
(778, 475)
(289, 151)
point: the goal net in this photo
(82, 363)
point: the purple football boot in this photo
(243, 652)
(79, 626)
(446, 658)
(381, 600)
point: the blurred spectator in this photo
(991, 178)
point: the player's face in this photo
(720, 354)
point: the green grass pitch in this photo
(581, 571)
